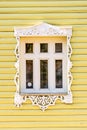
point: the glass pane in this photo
(58, 67)
(29, 48)
(29, 74)
(58, 47)
(43, 74)
(43, 47)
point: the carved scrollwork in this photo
(43, 101)
(44, 29)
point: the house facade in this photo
(68, 114)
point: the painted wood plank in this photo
(7, 53)
(6, 28)
(56, 107)
(45, 128)
(80, 51)
(8, 41)
(79, 87)
(6, 34)
(8, 70)
(7, 46)
(79, 39)
(7, 82)
(7, 88)
(79, 81)
(79, 75)
(7, 64)
(43, 10)
(7, 76)
(79, 69)
(79, 57)
(45, 113)
(60, 22)
(78, 45)
(82, 124)
(43, 3)
(41, 16)
(80, 63)
(7, 58)
(42, 118)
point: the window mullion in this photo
(36, 67)
(51, 74)
(36, 75)
(51, 67)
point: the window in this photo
(58, 73)
(43, 65)
(29, 74)
(43, 47)
(58, 47)
(29, 48)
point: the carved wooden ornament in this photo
(43, 29)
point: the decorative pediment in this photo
(43, 29)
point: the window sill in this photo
(43, 94)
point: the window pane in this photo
(43, 47)
(58, 47)
(43, 74)
(29, 48)
(58, 67)
(29, 74)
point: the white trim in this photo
(36, 57)
(43, 29)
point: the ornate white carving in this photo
(44, 29)
(67, 98)
(43, 101)
(18, 100)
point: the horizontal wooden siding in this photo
(27, 13)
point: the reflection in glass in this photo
(58, 47)
(43, 74)
(58, 67)
(43, 47)
(29, 48)
(29, 73)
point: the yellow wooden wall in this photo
(56, 12)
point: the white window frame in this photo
(41, 98)
(36, 56)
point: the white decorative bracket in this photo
(43, 29)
